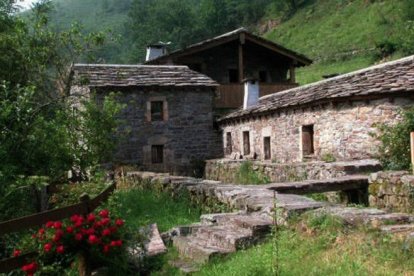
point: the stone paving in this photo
(221, 234)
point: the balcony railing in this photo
(231, 95)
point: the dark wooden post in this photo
(292, 73)
(241, 61)
(412, 150)
(84, 267)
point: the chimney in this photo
(251, 92)
(155, 50)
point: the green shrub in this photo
(328, 157)
(394, 151)
(247, 175)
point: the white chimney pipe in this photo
(155, 50)
(251, 93)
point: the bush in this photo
(247, 175)
(394, 151)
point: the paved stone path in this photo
(220, 234)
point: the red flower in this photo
(106, 232)
(119, 222)
(116, 243)
(91, 218)
(106, 248)
(69, 229)
(79, 223)
(57, 225)
(104, 213)
(105, 221)
(58, 235)
(30, 269)
(60, 249)
(93, 239)
(113, 229)
(41, 231)
(97, 224)
(74, 218)
(78, 236)
(16, 253)
(47, 247)
(90, 231)
(50, 224)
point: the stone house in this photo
(230, 58)
(333, 118)
(168, 114)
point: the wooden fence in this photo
(85, 206)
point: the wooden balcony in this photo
(231, 95)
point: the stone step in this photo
(351, 182)
(185, 265)
(210, 219)
(227, 237)
(198, 250)
(257, 224)
(366, 216)
(398, 229)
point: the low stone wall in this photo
(393, 191)
(226, 170)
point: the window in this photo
(229, 143)
(266, 148)
(157, 111)
(157, 154)
(262, 76)
(233, 75)
(246, 143)
(307, 140)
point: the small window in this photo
(307, 140)
(229, 143)
(266, 148)
(157, 154)
(262, 76)
(157, 111)
(246, 143)
(233, 75)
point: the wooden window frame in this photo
(308, 130)
(157, 154)
(267, 148)
(246, 142)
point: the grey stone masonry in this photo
(186, 132)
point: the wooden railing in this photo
(84, 207)
(231, 95)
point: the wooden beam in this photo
(278, 49)
(292, 76)
(241, 65)
(412, 150)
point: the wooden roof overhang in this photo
(242, 35)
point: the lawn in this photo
(320, 250)
(142, 207)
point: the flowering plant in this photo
(96, 235)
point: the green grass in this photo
(340, 36)
(143, 207)
(321, 250)
(248, 175)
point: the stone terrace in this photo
(220, 234)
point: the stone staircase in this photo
(224, 233)
(220, 234)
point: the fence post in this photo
(412, 150)
(84, 199)
(84, 268)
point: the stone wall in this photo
(187, 132)
(393, 190)
(341, 131)
(226, 170)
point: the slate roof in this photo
(301, 59)
(114, 75)
(391, 77)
